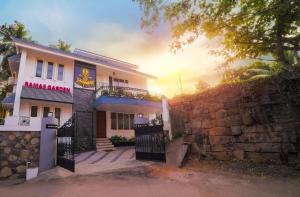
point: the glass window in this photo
(113, 121)
(131, 121)
(50, 70)
(57, 114)
(126, 121)
(39, 68)
(34, 110)
(46, 111)
(120, 121)
(60, 73)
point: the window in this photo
(126, 121)
(131, 121)
(50, 70)
(140, 115)
(120, 121)
(39, 68)
(113, 121)
(60, 72)
(46, 111)
(120, 82)
(34, 110)
(57, 114)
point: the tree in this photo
(201, 85)
(7, 47)
(249, 29)
(255, 70)
(62, 45)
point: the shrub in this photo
(122, 141)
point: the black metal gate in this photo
(65, 145)
(150, 142)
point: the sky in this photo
(112, 28)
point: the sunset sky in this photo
(112, 28)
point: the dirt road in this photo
(156, 181)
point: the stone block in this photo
(247, 117)
(233, 111)
(239, 154)
(7, 150)
(264, 157)
(5, 172)
(236, 120)
(222, 156)
(206, 124)
(220, 148)
(21, 169)
(221, 139)
(220, 131)
(34, 141)
(24, 154)
(12, 158)
(220, 114)
(223, 122)
(236, 130)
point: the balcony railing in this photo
(126, 92)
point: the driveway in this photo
(97, 161)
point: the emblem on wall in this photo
(84, 77)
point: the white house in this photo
(110, 95)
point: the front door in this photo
(101, 124)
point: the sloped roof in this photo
(89, 57)
(46, 95)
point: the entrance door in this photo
(101, 124)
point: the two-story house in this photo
(109, 95)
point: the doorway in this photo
(101, 124)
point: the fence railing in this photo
(126, 92)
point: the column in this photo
(20, 82)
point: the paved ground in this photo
(155, 181)
(118, 174)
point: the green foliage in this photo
(254, 71)
(247, 29)
(62, 45)
(122, 141)
(7, 47)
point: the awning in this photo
(8, 101)
(46, 95)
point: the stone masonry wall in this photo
(16, 149)
(257, 121)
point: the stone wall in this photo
(16, 149)
(257, 121)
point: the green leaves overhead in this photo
(248, 29)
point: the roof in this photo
(46, 95)
(85, 56)
(8, 99)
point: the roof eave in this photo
(20, 43)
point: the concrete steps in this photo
(104, 144)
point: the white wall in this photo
(134, 81)
(66, 109)
(30, 69)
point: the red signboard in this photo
(47, 87)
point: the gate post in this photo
(48, 144)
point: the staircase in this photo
(104, 144)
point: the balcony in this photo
(127, 99)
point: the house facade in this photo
(109, 95)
